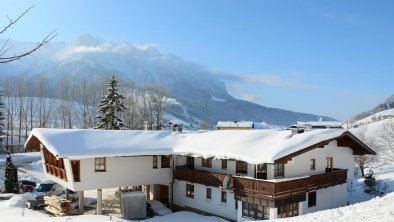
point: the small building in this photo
(235, 125)
(238, 175)
(319, 124)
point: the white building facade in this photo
(248, 175)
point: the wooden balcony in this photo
(199, 176)
(56, 171)
(287, 188)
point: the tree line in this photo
(69, 103)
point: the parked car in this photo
(158, 208)
(48, 188)
(27, 185)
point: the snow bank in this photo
(19, 200)
(377, 209)
(183, 216)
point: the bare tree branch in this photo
(47, 38)
(12, 22)
(18, 56)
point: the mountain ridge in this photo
(191, 84)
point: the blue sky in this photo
(332, 58)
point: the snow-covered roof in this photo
(235, 124)
(327, 124)
(253, 146)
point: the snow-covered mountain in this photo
(202, 95)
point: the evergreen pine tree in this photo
(11, 184)
(110, 106)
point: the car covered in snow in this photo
(158, 208)
(48, 188)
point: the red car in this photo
(27, 186)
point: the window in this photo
(290, 210)
(75, 166)
(279, 170)
(255, 211)
(224, 197)
(165, 161)
(209, 193)
(99, 164)
(224, 164)
(312, 199)
(313, 164)
(329, 166)
(190, 162)
(261, 171)
(154, 162)
(189, 190)
(241, 167)
(206, 162)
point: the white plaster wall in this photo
(216, 166)
(342, 158)
(213, 206)
(328, 198)
(122, 171)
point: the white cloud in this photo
(147, 46)
(269, 80)
(277, 81)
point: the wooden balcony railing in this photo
(199, 176)
(273, 190)
(56, 171)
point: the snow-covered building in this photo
(231, 125)
(319, 124)
(238, 175)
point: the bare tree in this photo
(385, 142)
(4, 49)
(157, 97)
(44, 104)
(364, 160)
(131, 118)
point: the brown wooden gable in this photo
(347, 139)
(33, 144)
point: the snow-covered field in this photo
(377, 209)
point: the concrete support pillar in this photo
(273, 213)
(66, 193)
(170, 194)
(81, 202)
(147, 192)
(239, 211)
(99, 201)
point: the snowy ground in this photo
(377, 209)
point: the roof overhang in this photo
(347, 139)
